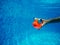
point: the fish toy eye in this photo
(40, 20)
(36, 18)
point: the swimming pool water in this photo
(16, 17)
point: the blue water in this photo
(16, 17)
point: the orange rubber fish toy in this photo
(38, 23)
